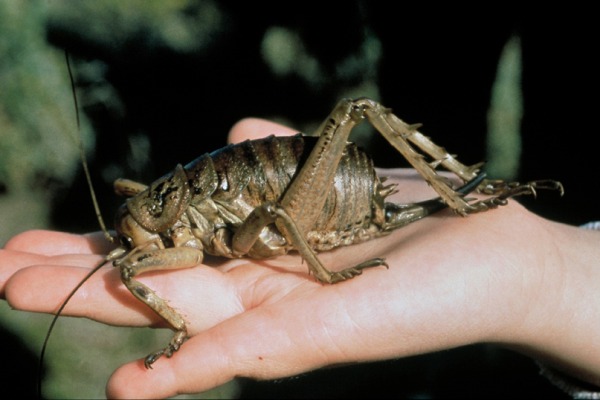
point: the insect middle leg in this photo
(271, 212)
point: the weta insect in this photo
(265, 197)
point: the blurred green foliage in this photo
(38, 136)
(505, 115)
(39, 157)
(182, 25)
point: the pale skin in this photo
(506, 276)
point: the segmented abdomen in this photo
(256, 171)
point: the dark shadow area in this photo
(475, 372)
(20, 365)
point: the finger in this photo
(203, 294)
(256, 128)
(264, 343)
(12, 261)
(51, 243)
(205, 361)
(103, 298)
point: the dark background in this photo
(433, 70)
(437, 67)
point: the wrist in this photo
(562, 325)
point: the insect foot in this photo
(168, 351)
(504, 190)
(351, 272)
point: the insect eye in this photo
(126, 242)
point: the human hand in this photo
(503, 276)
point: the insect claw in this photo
(533, 191)
(151, 359)
(375, 262)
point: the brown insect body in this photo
(265, 197)
(228, 184)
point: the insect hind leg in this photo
(405, 138)
(399, 215)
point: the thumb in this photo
(268, 342)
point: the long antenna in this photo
(51, 328)
(100, 221)
(86, 170)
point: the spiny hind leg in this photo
(403, 136)
(398, 133)
(504, 190)
(500, 190)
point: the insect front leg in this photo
(128, 188)
(140, 261)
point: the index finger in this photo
(51, 243)
(47, 248)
